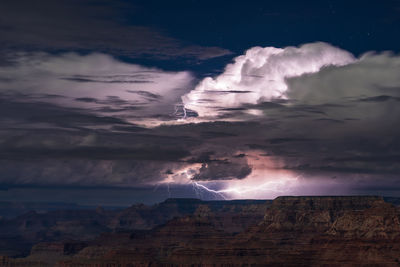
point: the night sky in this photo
(118, 102)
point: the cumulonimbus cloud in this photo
(337, 128)
(260, 75)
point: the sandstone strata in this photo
(293, 231)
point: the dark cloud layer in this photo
(89, 26)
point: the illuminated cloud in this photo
(260, 75)
(368, 80)
(96, 82)
(331, 129)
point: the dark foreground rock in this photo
(293, 231)
(19, 235)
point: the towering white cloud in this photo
(259, 75)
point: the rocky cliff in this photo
(18, 235)
(292, 231)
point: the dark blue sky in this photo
(357, 26)
(125, 28)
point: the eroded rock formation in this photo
(292, 231)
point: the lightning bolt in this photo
(203, 187)
(233, 189)
(184, 112)
(240, 190)
(169, 192)
(198, 188)
(177, 107)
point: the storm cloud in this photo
(259, 75)
(83, 120)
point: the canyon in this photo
(288, 231)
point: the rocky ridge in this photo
(19, 235)
(292, 231)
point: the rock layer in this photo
(292, 231)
